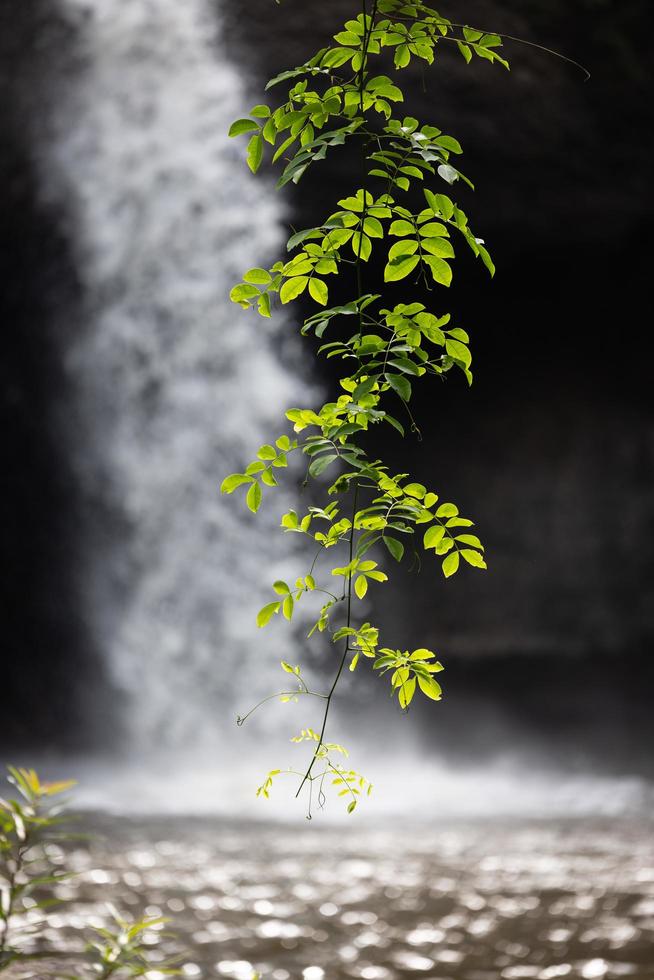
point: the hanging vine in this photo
(386, 349)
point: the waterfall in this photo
(175, 387)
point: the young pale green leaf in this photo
(451, 564)
(253, 498)
(473, 558)
(265, 615)
(430, 687)
(259, 276)
(281, 587)
(458, 351)
(416, 490)
(230, 483)
(292, 288)
(255, 152)
(318, 291)
(361, 586)
(400, 267)
(401, 228)
(470, 539)
(440, 270)
(242, 126)
(287, 607)
(263, 304)
(433, 536)
(406, 692)
(447, 510)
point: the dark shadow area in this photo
(50, 676)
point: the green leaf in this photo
(458, 351)
(351, 806)
(361, 586)
(430, 687)
(242, 293)
(267, 452)
(473, 558)
(400, 385)
(230, 483)
(433, 536)
(416, 490)
(292, 288)
(318, 291)
(395, 547)
(253, 498)
(402, 56)
(401, 228)
(440, 270)
(406, 692)
(470, 539)
(451, 564)
(242, 126)
(260, 111)
(280, 587)
(433, 229)
(259, 276)
(263, 304)
(287, 607)
(255, 152)
(265, 615)
(400, 267)
(447, 510)
(321, 463)
(373, 227)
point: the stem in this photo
(241, 719)
(328, 698)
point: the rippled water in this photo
(477, 900)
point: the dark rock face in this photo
(49, 675)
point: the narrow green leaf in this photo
(265, 615)
(406, 692)
(255, 152)
(253, 498)
(451, 564)
(287, 607)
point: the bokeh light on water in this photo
(473, 900)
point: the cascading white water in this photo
(175, 386)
